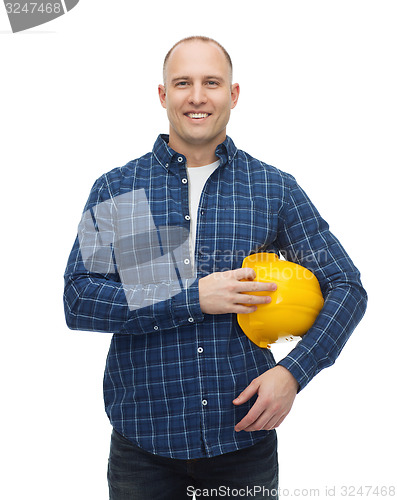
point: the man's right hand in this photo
(221, 293)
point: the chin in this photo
(194, 139)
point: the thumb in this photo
(247, 393)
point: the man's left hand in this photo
(276, 389)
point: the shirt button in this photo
(191, 320)
(204, 402)
(166, 165)
(155, 327)
(184, 181)
(187, 217)
(200, 350)
(186, 261)
(180, 159)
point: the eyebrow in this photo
(211, 77)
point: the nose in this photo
(197, 95)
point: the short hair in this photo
(201, 39)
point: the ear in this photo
(235, 92)
(162, 96)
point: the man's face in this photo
(198, 94)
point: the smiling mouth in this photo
(197, 116)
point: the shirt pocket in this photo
(256, 229)
(234, 230)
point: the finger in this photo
(249, 299)
(247, 393)
(277, 424)
(259, 425)
(243, 273)
(242, 309)
(274, 422)
(256, 286)
(267, 421)
(251, 418)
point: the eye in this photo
(181, 84)
(213, 83)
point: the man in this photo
(157, 262)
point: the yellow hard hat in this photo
(295, 304)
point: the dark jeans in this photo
(133, 473)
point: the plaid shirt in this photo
(172, 371)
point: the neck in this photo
(197, 155)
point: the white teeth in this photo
(197, 115)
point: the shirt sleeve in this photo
(95, 296)
(304, 237)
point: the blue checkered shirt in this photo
(172, 371)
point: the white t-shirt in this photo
(197, 178)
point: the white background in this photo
(79, 97)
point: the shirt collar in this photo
(166, 156)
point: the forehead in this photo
(196, 58)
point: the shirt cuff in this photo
(181, 309)
(301, 364)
